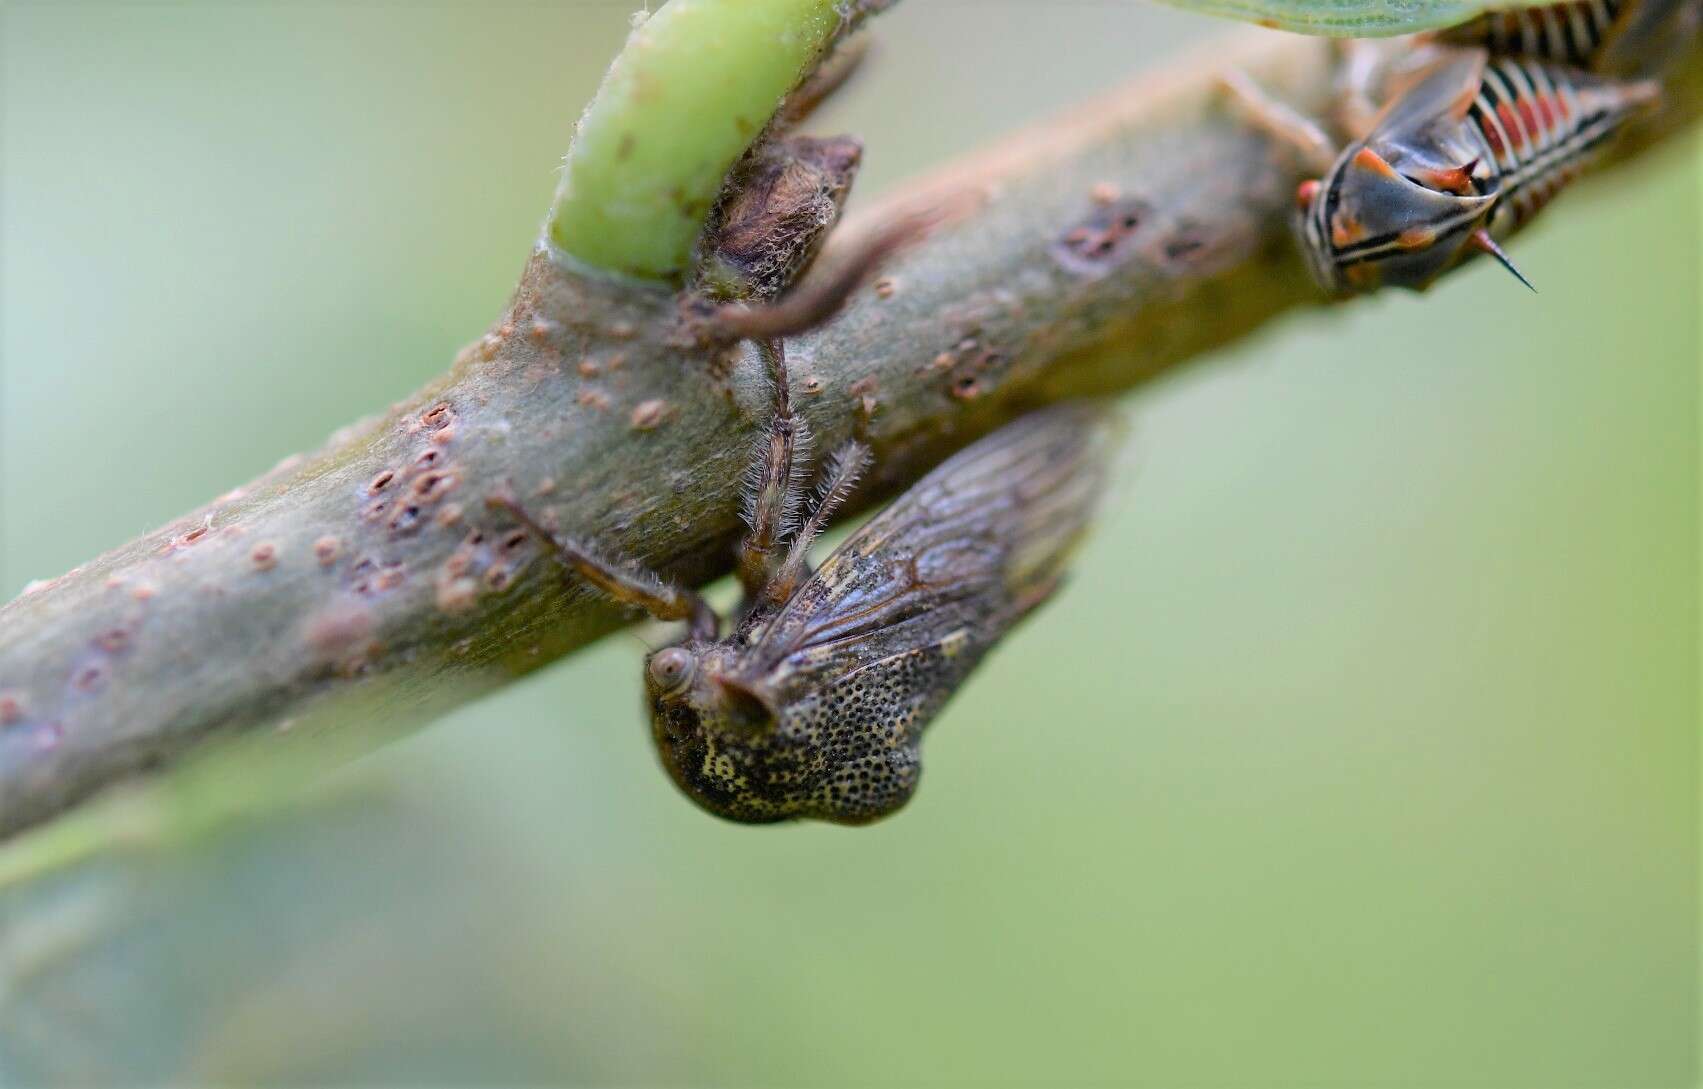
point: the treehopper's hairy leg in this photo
(838, 481)
(772, 502)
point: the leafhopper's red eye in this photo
(1307, 193)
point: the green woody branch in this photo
(1080, 257)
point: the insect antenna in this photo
(1481, 240)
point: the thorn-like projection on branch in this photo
(815, 300)
(756, 275)
(775, 213)
(832, 74)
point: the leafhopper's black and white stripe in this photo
(1568, 33)
(1467, 156)
(1507, 109)
(1625, 38)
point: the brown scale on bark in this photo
(1102, 240)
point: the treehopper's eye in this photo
(671, 669)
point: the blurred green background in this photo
(1362, 750)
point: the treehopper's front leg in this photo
(661, 599)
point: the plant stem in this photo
(1082, 257)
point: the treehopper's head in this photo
(739, 751)
(707, 731)
(1368, 224)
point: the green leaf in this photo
(1348, 18)
(694, 86)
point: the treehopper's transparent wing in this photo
(858, 661)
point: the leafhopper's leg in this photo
(1416, 61)
(1356, 79)
(662, 600)
(1279, 121)
(771, 502)
(838, 480)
